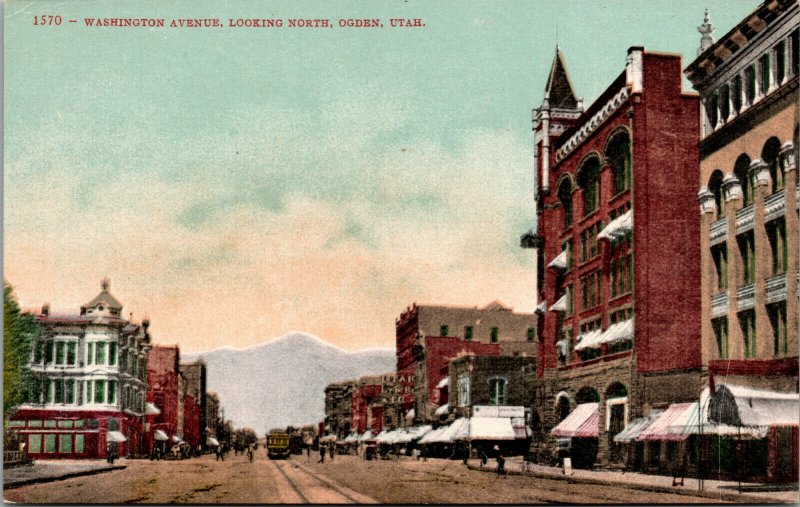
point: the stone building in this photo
(748, 196)
(429, 336)
(618, 241)
(489, 380)
(338, 407)
(91, 371)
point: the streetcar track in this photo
(303, 497)
(328, 483)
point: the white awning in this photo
(560, 262)
(458, 429)
(560, 305)
(563, 347)
(411, 434)
(410, 415)
(590, 340)
(176, 439)
(745, 406)
(521, 430)
(443, 383)
(433, 436)
(691, 422)
(583, 422)
(635, 428)
(367, 435)
(352, 437)
(115, 436)
(443, 410)
(160, 436)
(491, 428)
(618, 332)
(618, 227)
(151, 409)
(541, 307)
(212, 441)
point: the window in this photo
(747, 321)
(112, 353)
(72, 353)
(495, 334)
(58, 391)
(65, 443)
(34, 423)
(737, 93)
(776, 233)
(60, 352)
(747, 253)
(613, 267)
(497, 391)
(443, 330)
(771, 156)
(49, 352)
(99, 391)
(112, 392)
(629, 288)
(777, 318)
(69, 423)
(79, 446)
(720, 255)
(780, 62)
(463, 390)
(531, 334)
(570, 301)
(720, 327)
(50, 443)
(750, 76)
(619, 155)
(38, 352)
(90, 353)
(50, 423)
(468, 333)
(69, 391)
(713, 109)
(124, 359)
(765, 73)
(35, 443)
(715, 187)
(568, 248)
(589, 181)
(724, 102)
(100, 353)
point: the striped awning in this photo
(659, 429)
(635, 428)
(590, 340)
(583, 422)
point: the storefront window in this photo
(50, 442)
(65, 443)
(79, 443)
(35, 443)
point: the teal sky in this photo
(237, 184)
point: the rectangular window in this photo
(583, 246)
(765, 73)
(72, 353)
(38, 352)
(737, 93)
(65, 443)
(34, 423)
(724, 102)
(599, 286)
(780, 62)
(90, 353)
(124, 360)
(59, 391)
(35, 443)
(531, 334)
(630, 272)
(99, 391)
(613, 268)
(721, 333)
(776, 233)
(495, 334)
(112, 392)
(134, 365)
(112, 353)
(468, 333)
(79, 443)
(100, 353)
(747, 252)
(777, 318)
(747, 321)
(60, 352)
(50, 423)
(79, 423)
(66, 423)
(720, 255)
(69, 391)
(570, 301)
(750, 75)
(463, 390)
(49, 352)
(497, 388)
(50, 442)
(443, 330)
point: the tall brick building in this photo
(429, 336)
(618, 243)
(194, 402)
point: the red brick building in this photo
(362, 417)
(166, 393)
(618, 248)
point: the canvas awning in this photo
(521, 430)
(443, 383)
(367, 435)
(541, 307)
(212, 441)
(583, 422)
(744, 406)
(411, 434)
(160, 436)
(590, 340)
(491, 428)
(692, 422)
(618, 332)
(618, 227)
(560, 262)
(151, 409)
(635, 428)
(458, 430)
(433, 436)
(352, 437)
(560, 305)
(411, 414)
(660, 428)
(115, 436)
(176, 439)
(443, 410)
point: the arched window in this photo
(562, 409)
(618, 154)
(771, 156)
(741, 169)
(565, 196)
(587, 395)
(589, 181)
(715, 187)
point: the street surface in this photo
(302, 480)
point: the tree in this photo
(20, 330)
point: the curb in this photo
(53, 478)
(731, 497)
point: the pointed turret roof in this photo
(559, 88)
(104, 297)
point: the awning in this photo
(433, 436)
(560, 262)
(744, 406)
(367, 435)
(635, 428)
(618, 227)
(521, 430)
(560, 305)
(659, 429)
(618, 332)
(212, 441)
(691, 422)
(151, 409)
(443, 410)
(160, 436)
(352, 437)
(411, 434)
(411, 413)
(176, 439)
(458, 430)
(443, 383)
(590, 340)
(583, 422)
(541, 307)
(491, 428)
(115, 436)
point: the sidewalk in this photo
(714, 490)
(55, 470)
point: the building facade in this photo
(194, 402)
(166, 393)
(620, 311)
(489, 380)
(427, 337)
(91, 393)
(748, 196)
(338, 407)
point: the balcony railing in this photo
(775, 205)
(745, 297)
(719, 304)
(744, 219)
(719, 230)
(776, 289)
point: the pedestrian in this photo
(332, 451)
(250, 453)
(501, 466)
(321, 454)
(110, 454)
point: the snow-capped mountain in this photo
(282, 381)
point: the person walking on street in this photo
(501, 466)
(332, 451)
(321, 454)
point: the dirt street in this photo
(301, 480)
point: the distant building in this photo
(194, 426)
(212, 413)
(429, 336)
(338, 407)
(166, 394)
(91, 383)
(489, 380)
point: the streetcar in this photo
(277, 444)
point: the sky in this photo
(239, 184)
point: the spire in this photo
(706, 29)
(559, 88)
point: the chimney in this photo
(46, 309)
